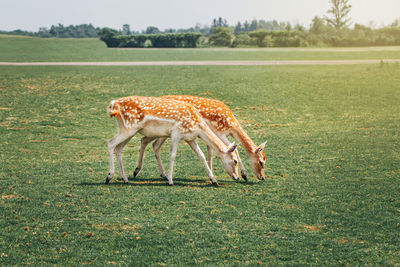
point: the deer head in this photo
(229, 160)
(258, 161)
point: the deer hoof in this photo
(109, 177)
(215, 184)
(137, 170)
(164, 176)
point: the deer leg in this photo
(242, 169)
(143, 144)
(195, 147)
(209, 155)
(111, 144)
(156, 147)
(118, 155)
(172, 151)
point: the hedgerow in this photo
(176, 40)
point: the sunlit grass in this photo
(331, 195)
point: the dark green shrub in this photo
(132, 40)
(191, 39)
(108, 36)
(156, 40)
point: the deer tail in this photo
(113, 109)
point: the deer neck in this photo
(212, 140)
(239, 134)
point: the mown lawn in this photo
(28, 49)
(333, 167)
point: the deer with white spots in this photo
(223, 123)
(161, 117)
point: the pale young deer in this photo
(223, 123)
(162, 117)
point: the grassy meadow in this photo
(29, 49)
(331, 196)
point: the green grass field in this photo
(27, 49)
(333, 167)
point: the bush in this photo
(222, 36)
(174, 39)
(259, 36)
(242, 39)
(131, 40)
(268, 41)
(191, 39)
(108, 36)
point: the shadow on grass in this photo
(182, 182)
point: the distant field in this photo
(333, 162)
(27, 49)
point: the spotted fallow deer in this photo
(223, 123)
(163, 117)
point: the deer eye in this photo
(235, 161)
(261, 163)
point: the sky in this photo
(32, 14)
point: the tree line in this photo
(333, 29)
(320, 34)
(61, 31)
(255, 33)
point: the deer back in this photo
(217, 113)
(138, 110)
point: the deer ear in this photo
(232, 147)
(261, 147)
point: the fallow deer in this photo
(162, 117)
(223, 123)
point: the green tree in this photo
(396, 23)
(253, 25)
(242, 39)
(108, 36)
(126, 29)
(152, 30)
(222, 36)
(246, 26)
(299, 28)
(220, 22)
(339, 13)
(259, 36)
(44, 32)
(318, 25)
(238, 28)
